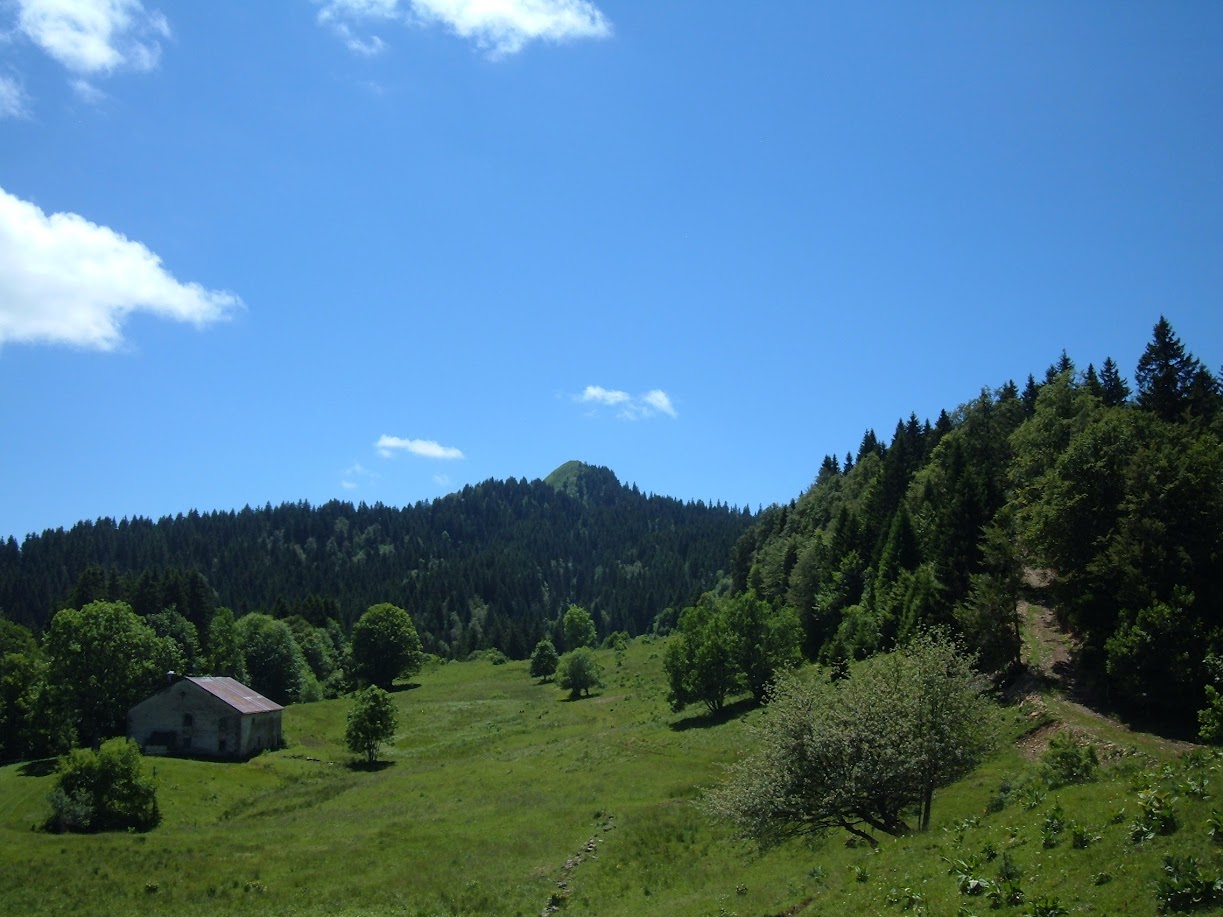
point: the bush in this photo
(1068, 762)
(103, 790)
(1183, 886)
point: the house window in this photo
(188, 721)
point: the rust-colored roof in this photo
(236, 694)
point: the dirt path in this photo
(1053, 687)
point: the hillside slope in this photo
(500, 796)
(494, 564)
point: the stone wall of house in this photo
(181, 719)
(260, 731)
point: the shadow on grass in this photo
(409, 686)
(42, 768)
(725, 715)
(370, 767)
(571, 698)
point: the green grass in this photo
(501, 795)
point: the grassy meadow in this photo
(501, 796)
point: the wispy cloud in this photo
(499, 27)
(94, 37)
(353, 474)
(601, 395)
(659, 401)
(12, 99)
(87, 91)
(387, 446)
(628, 407)
(65, 280)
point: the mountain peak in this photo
(583, 481)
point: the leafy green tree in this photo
(763, 641)
(578, 671)
(544, 660)
(1154, 657)
(700, 660)
(30, 726)
(1210, 717)
(16, 639)
(226, 657)
(856, 753)
(103, 790)
(989, 617)
(274, 661)
(171, 625)
(103, 660)
(579, 628)
(372, 722)
(385, 645)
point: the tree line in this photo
(492, 566)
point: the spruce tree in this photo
(1166, 374)
(1113, 389)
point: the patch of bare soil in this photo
(1049, 656)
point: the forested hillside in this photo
(493, 565)
(1115, 494)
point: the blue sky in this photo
(378, 249)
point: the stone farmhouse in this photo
(207, 717)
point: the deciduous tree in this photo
(385, 645)
(855, 753)
(579, 628)
(544, 660)
(103, 660)
(579, 671)
(372, 722)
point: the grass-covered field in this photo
(501, 796)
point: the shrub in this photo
(1183, 886)
(1155, 818)
(1067, 761)
(103, 790)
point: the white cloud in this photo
(604, 396)
(366, 47)
(65, 280)
(94, 36)
(87, 91)
(387, 446)
(12, 99)
(505, 26)
(354, 473)
(658, 400)
(655, 401)
(441, 480)
(500, 27)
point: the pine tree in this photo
(1167, 374)
(1030, 393)
(1113, 389)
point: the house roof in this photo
(234, 693)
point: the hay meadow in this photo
(499, 795)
